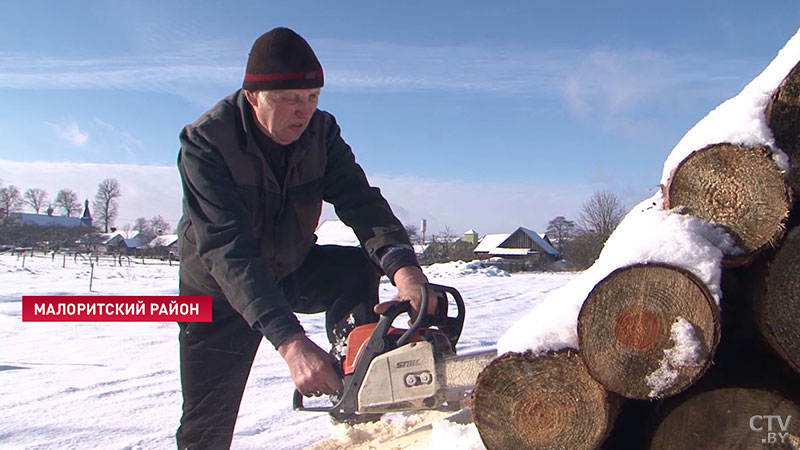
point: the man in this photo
(255, 170)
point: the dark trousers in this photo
(215, 357)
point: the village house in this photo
(524, 249)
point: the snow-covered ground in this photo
(116, 385)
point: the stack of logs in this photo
(632, 385)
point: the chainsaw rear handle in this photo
(450, 326)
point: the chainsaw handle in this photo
(297, 401)
(423, 311)
(375, 345)
(450, 325)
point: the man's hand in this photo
(409, 281)
(310, 366)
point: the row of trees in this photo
(105, 204)
(579, 241)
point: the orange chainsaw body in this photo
(358, 338)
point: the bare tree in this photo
(598, 218)
(448, 246)
(159, 225)
(36, 198)
(127, 230)
(413, 234)
(10, 200)
(149, 229)
(601, 214)
(583, 249)
(560, 231)
(143, 226)
(106, 203)
(67, 200)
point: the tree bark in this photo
(524, 401)
(738, 187)
(648, 331)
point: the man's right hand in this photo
(310, 366)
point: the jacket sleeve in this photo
(359, 205)
(225, 239)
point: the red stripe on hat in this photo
(283, 76)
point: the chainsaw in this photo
(387, 369)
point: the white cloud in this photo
(615, 80)
(626, 90)
(621, 89)
(70, 133)
(109, 137)
(160, 73)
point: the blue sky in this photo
(525, 105)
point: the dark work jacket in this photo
(241, 231)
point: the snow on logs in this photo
(548, 402)
(739, 187)
(648, 330)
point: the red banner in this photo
(102, 308)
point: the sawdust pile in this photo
(372, 435)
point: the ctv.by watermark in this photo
(775, 427)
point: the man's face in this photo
(283, 115)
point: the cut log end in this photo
(730, 418)
(523, 401)
(648, 331)
(778, 307)
(783, 118)
(738, 187)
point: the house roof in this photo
(117, 235)
(493, 244)
(490, 242)
(132, 243)
(43, 220)
(541, 242)
(335, 232)
(470, 231)
(165, 240)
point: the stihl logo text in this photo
(408, 363)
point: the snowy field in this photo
(116, 386)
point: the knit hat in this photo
(282, 59)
